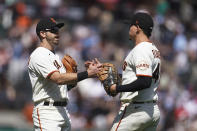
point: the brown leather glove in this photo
(109, 76)
(70, 64)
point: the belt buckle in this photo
(51, 103)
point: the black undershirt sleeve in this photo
(141, 83)
(80, 76)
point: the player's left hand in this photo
(113, 89)
(109, 77)
(70, 66)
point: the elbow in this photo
(58, 81)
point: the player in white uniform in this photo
(49, 80)
(141, 72)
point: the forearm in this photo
(68, 78)
(73, 78)
(141, 83)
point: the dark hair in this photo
(147, 32)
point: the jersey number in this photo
(156, 73)
(56, 64)
(124, 66)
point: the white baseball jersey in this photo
(143, 60)
(42, 64)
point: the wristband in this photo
(82, 75)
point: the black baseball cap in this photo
(47, 24)
(143, 20)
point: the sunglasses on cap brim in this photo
(53, 30)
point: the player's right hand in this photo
(93, 69)
(87, 63)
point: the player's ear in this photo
(42, 34)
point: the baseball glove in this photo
(70, 64)
(109, 76)
(71, 67)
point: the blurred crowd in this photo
(96, 29)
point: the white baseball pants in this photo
(137, 117)
(51, 118)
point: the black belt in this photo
(143, 102)
(56, 103)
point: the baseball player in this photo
(49, 78)
(141, 72)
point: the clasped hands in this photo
(94, 67)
